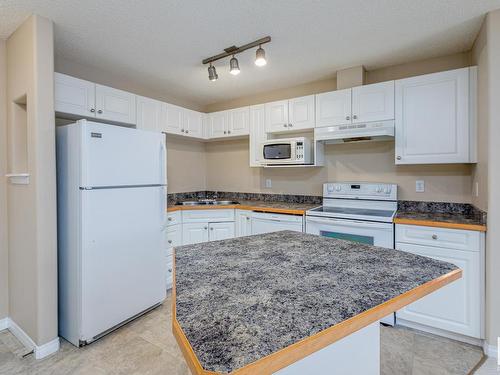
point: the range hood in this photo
(363, 132)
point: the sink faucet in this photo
(215, 196)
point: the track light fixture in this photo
(234, 67)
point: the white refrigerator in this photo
(111, 185)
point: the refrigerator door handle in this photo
(163, 162)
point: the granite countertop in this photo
(240, 300)
(446, 215)
(266, 206)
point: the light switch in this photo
(269, 183)
(420, 186)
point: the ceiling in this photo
(160, 43)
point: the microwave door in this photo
(277, 151)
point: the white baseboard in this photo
(41, 351)
(4, 323)
(490, 350)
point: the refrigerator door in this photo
(122, 259)
(118, 156)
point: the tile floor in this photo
(147, 346)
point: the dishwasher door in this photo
(266, 223)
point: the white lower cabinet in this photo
(458, 307)
(194, 233)
(243, 223)
(220, 231)
(174, 238)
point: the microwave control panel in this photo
(299, 151)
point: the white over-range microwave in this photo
(287, 151)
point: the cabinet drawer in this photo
(174, 236)
(174, 218)
(207, 216)
(457, 239)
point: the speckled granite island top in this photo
(240, 302)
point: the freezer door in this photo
(118, 156)
(122, 260)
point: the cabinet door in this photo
(257, 134)
(174, 236)
(192, 123)
(277, 116)
(148, 114)
(432, 118)
(301, 112)
(243, 223)
(221, 231)
(239, 123)
(219, 124)
(172, 119)
(333, 108)
(455, 307)
(194, 233)
(373, 102)
(115, 105)
(74, 96)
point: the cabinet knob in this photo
(247, 218)
(169, 219)
(348, 117)
(170, 270)
(354, 117)
(99, 111)
(434, 237)
(290, 125)
(398, 157)
(205, 228)
(285, 125)
(92, 110)
(229, 132)
(187, 131)
(211, 228)
(182, 130)
(169, 241)
(225, 132)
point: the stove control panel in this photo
(360, 190)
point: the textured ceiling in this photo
(161, 43)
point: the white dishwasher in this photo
(265, 222)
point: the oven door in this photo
(370, 233)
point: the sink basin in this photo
(206, 202)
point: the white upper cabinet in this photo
(333, 108)
(239, 121)
(301, 113)
(192, 123)
(74, 96)
(277, 116)
(219, 124)
(257, 133)
(435, 118)
(148, 114)
(115, 105)
(373, 102)
(171, 119)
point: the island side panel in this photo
(343, 356)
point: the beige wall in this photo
(185, 165)
(32, 208)
(4, 291)
(228, 170)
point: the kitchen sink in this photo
(206, 202)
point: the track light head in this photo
(260, 57)
(234, 67)
(212, 73)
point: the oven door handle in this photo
(352, 223)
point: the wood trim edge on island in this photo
(301, 349)
(440, 224)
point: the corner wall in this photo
(32, 224)
(4, 274)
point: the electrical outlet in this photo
(269, 183)
(420, 186)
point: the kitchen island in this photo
(290, 303)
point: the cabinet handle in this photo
(348, 117)
(354, 117)
(169, 241)
(434, 237)
(99, 111)
(92, 110)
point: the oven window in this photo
(278, 151)
(348, 237)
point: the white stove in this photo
(354, 211)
